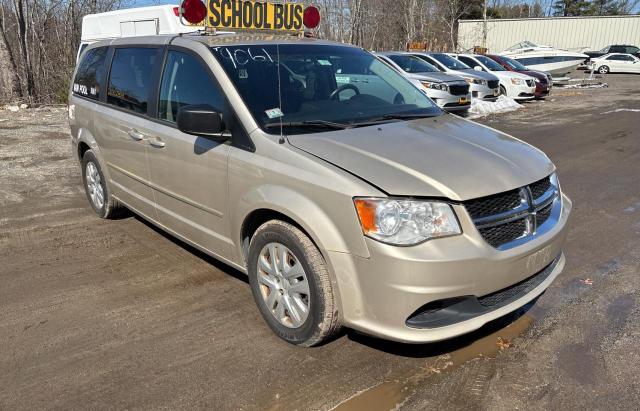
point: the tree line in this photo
(39, 39)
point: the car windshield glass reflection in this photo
(450, 62)
(490, 64)
(316, 88)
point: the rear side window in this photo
(130, 79)
(186, 81)
(90, 73)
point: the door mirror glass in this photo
(477, 68)
(201, 120)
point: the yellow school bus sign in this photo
(255, 15)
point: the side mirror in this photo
(477, 68)
(201, 120)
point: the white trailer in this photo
(140, 21)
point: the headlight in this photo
(399, 221)
(435, 86)
(517, 81)
(475, 81)
(537, 79)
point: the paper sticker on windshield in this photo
(324, 62)
(274, 113)
(343, 79)
(242, 73)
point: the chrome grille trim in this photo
(521, 223)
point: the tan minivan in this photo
(346, 195)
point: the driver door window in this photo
(185, 82)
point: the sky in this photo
(141, 3)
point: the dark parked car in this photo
(543, 80)
(614, 48)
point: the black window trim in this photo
(243, 142)
(107, 61)
(152, 86)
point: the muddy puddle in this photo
(391, 394)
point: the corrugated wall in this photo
(575, 33)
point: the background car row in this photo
(453, 80)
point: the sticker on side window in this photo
(274, 113)
(343, 79)
(324, 62)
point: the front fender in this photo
(324, 230)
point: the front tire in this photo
(603, 69)
(96, 188)
(503, 91)
(291, 285)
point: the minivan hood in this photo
(436, 76)
(443, 156)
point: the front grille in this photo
(459, 90)
(544, 214)
(509, 294)
(506, 217)
(540, 187)
(493, 83)
(504, 233)
(492, 205)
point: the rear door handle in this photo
(156, 142)
(135, 134)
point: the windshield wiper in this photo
(401, 116)
(310, 123)
(387, 117)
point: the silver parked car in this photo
(344, 193)
(448, 91)
(484, 86)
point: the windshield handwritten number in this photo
(240, 57)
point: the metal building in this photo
(571, 33)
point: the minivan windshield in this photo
(302, 88)
(514, 64)
(449, 62)
(490, 64)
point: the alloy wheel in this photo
(283, 285)
(94, 185)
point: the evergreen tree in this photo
(604, 7)
(571, 8)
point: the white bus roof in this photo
(140, 21)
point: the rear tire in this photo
(603, 69)
(97, 189)
(284, 261)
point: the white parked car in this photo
(484, 86)
(615, 63)
(517, 86)
(447, 91)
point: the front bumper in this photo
(448, 101)
(542, 90)
(380, 293)
(483, 92)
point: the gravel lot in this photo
(115, 314)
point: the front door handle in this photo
(156, 142)
(135, 134)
